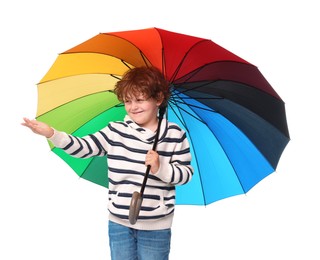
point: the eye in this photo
(142, 99)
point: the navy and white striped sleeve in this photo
(81, 147)
(179, 171)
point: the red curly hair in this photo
(148, 81)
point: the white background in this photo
(47, 212)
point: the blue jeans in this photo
(132, 244)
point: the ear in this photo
(160, 98)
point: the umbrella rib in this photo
(125, 63)
(184, 57)
(196, 71)
(171, 104)
(202, 108)
(193, 106)
(181, 121)
(201, 121)
(114, 76)
(195, 87)
(144, 58)
(76, 99)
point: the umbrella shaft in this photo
(161, 113)
(145, 180)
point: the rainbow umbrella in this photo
(234, 119)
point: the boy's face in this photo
(143, 110)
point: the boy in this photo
(127, 145)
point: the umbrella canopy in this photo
(235, 121)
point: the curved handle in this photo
(135, 207)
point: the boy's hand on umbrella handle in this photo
(152, 159)
(38, 127)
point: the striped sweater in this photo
(126, 145)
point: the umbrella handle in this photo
(137, 197)
(135, 207)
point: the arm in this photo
(179, 171)
(88, 146)
(81, 147)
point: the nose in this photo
(134, 105)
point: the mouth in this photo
(136, 112)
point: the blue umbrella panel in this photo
(226, 161)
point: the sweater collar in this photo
(142, 133)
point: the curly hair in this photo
(148, 81)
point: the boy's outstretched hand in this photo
(38, 127)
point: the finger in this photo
(27, 120)
(30, 123)
(27, 124)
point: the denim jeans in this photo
(132, 244)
